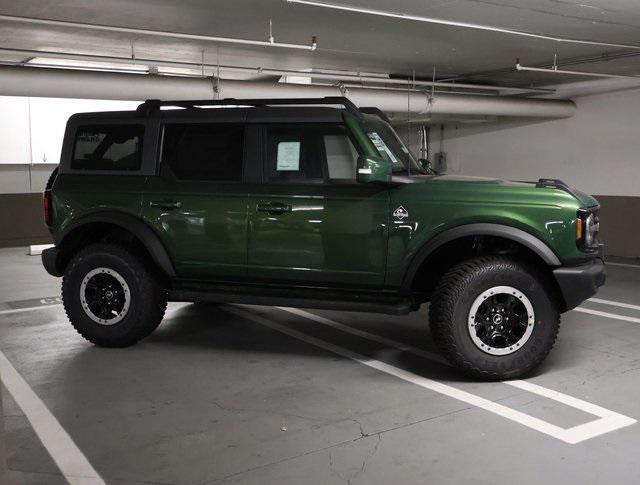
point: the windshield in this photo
(391, 148)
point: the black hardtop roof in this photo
(240, 110)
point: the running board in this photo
(396, 307)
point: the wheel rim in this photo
(105, 296)
(501, 320)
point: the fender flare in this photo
(528, 240)
(149, 238)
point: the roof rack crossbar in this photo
(152, 105)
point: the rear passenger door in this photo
(310, 221)
(198, 203)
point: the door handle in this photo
(273, 208)
(166, 204)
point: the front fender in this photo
(524, 238)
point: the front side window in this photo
(203, 151)
(292, 154)
(342, 156)
(108, 147)
(309, 153)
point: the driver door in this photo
(310, 221)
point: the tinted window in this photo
(204, 151)
(292, 154)
(108, 147)
(313, 153)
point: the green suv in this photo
(309, 203)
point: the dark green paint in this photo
(341, 235)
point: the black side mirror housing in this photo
(427, 166)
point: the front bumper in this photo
(577, 283)
(52, 261)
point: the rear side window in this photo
(108, 147)
(203, 151)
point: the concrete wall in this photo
(21, 187)
(31, 132)
(597, 151)
(21, 220)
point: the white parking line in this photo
(72, 463)
(624, 265)
(608, 420)
(615, 316)
(28, 309)
(614, 303)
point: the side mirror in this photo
(427, 166)
(373, 169)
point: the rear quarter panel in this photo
(77, 196)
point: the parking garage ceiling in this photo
(352, 41)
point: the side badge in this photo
(400, 213)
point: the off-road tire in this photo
(452, 301)
(148, 300)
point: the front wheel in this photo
(111, 295)
(494, 317)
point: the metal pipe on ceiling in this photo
(453, 23)
(263, 71)
(60, 83)
(155, 33)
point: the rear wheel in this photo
(111, 296)
(494, 317)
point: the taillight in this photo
(46, 205)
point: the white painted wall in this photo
(14, 130)
(31, 133)
(597, 151)
(32, 128)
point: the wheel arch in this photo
(96, 226)
(531, 244)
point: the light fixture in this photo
(520, 67)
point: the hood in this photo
(543, 185)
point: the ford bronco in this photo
(309, 203)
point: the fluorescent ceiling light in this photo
(467, 25)
(89, 65)
(520, 67)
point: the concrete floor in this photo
(220, 397)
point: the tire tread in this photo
(152, 296)
(443, 304)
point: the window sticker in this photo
(381, 146)
(288, 156)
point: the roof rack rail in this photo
(152, 105)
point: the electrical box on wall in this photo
(440, 162)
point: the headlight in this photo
(587, 228)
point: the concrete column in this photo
(3, 448)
